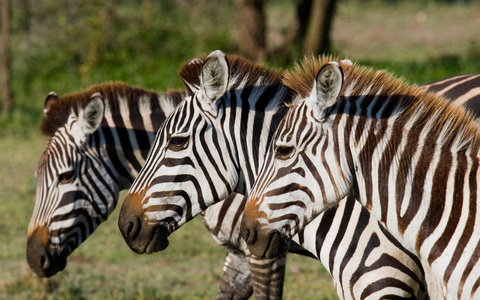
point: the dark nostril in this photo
(44, 262)
(249, 232)
(133, 228)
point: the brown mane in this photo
(60, 109)
(415, 99)
(240, 67)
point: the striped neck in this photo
(127, 132)
(416, 171)
(257, 115)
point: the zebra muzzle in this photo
(263, 243)
(40, 258)
(140, 236)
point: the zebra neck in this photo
(127, 133)
(256, 118)
(412, 175)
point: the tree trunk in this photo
(5, 61)
(24, 15)
(304, 7)
(317, 39)
(251, 29)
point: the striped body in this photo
(463, 90)
(214, 143)
(411, 158)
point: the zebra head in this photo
(73, 186)
(213, 144)
(190, 166)
(292, 189)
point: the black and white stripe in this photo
(115, 166)
(212, 146)
(79, 176)
(99, 139)
(411, 158)
(463, 90)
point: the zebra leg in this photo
(236, 280)
(267, 276)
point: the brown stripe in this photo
(455, 213)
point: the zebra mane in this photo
(59, 110)
(242, 71)
(415, 101)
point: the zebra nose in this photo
(141, 235)
(39, 258)
(132, 227)
(249, 231)
(129, 221)
(261, 242)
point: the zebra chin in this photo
(263, 243)
(42, 260)
(140, 236)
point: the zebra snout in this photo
(129, 220)
(140, 235)
(263, 243)
(39, 258)
(249, 231)
(132, 227)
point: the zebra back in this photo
(462, 90)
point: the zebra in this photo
(99, 139)
(42, 257)
(213, 144)
(95, 149)
(409, 157)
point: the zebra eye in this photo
(283, 152)
(66, 177)
(178, 143)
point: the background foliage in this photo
(66, 46)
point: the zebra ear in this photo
(326, 88)
(191, 77)
(214, 76)
(92, 114)
(51, 98)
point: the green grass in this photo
(145, 45)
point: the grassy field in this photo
(421, 42)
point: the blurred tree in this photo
(5, 61)
(251, 29)
(316, 31)
(303, 16)
(24, 12)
